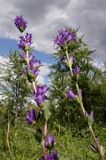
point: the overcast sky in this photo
(46, 17)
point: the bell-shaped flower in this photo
(31, 116)
(71, 94)
(50, 142)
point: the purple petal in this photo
(70, 94)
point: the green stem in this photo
(43, 143)
(68, 61)
(96, 142)
(80, 99)
(83, 109)
(90, 127)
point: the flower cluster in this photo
(31, 70)
(33, 64)
(20, 23)
(49, 144)
(25, 42)
(64, 36)
(40, 93)
(75, 70)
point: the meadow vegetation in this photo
(72, 108)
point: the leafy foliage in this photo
(90, 81)
(15, 88)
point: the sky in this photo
(46, 17)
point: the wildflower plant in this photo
(63, 41)
(30, 69)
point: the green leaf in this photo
(37, 136)
(29, 129)
(30, 76)
(46, 111)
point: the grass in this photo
(23, 146)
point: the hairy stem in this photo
(83, 109)
(90, 127)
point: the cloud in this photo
(37, 10)
(46, 17)
(44, 72)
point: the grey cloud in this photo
(45, 19)
(36, 10)
(90, 17)
(55, 26)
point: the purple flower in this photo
(24, 56)
(34, 66)
(50, 142)
(24, 71)
(71, 95)
(34, 62)
(40, 94)
(50, 156)
(64, 36)
(31, 116)
(76, 70)
(72, 58)
(39, 98)
(35, 71)
(41, 89)
(25, 42)
(20, 23)
(54, 155)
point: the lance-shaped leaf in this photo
(38, 134)
(30, 76)
(46, 111)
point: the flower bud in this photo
(76, 70)
(20, 23)
(50, 142)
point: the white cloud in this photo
(3, 59)
(46, 17)
(99, 65)
(44, 72)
